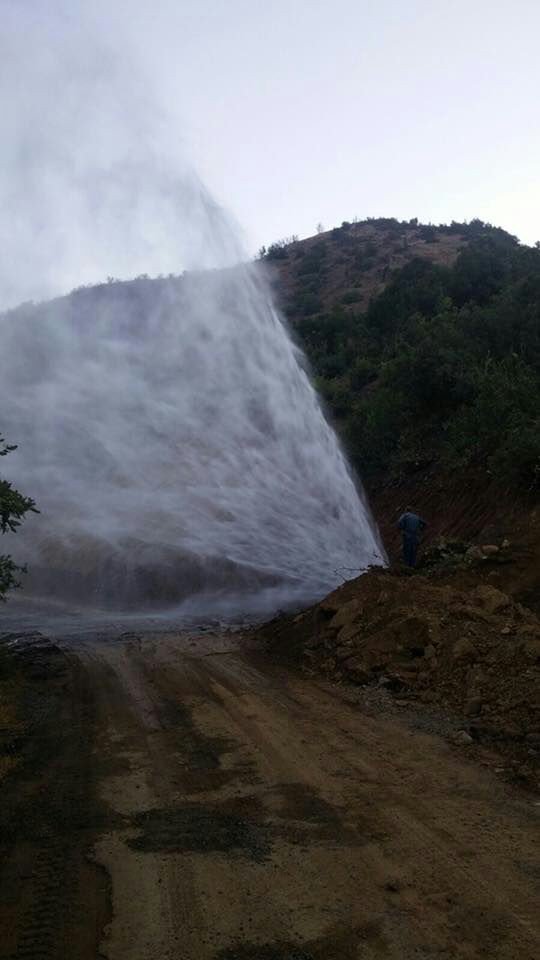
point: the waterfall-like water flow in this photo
(176, 449)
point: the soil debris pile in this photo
(454, 642)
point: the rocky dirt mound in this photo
(466, 646)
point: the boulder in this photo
(347, 613)
(490, 599)
(357, 671)
(349, 632)
(474, 553)
(489, 549)
(462, 738)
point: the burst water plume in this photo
(174, 443)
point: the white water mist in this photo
(166, 428)
(175, 446)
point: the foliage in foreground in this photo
(13, 507)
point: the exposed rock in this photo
(491, 599)
(453, 640)
(356, 670)
(472, 613)
(393, 681)
(490, 549)
(347, 613)
(474, 553)
(349, 632)
(463, 738)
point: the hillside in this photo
(425, 343)
(352, 264)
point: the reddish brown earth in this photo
(343, 273)
(457, 634)
(464, 507)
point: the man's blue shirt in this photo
(410, 524)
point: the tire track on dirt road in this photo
(271, 816)
(241, 812)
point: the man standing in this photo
(411, 526)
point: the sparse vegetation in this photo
(13, 508)
(442, 363)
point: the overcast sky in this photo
(291, 111)
(325, 109)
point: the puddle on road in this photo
(202, 752)
(276, 951)
(192, 828)
(337, 944)
(247, 826)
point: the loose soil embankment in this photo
(469, 508)
(447, 637)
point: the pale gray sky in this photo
(291, 111)
(304, 110)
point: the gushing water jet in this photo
(176, 448)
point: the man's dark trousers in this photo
(410, 549)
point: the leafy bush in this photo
(13, 507)
(352, 296)
(444, 365)
(277, 251)
(499, 426)
(429, 234)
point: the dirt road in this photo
(214, 807)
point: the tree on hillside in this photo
(441, 366)
(13, 507)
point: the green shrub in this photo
(444, 364)
(352, 296)
(13, 508)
